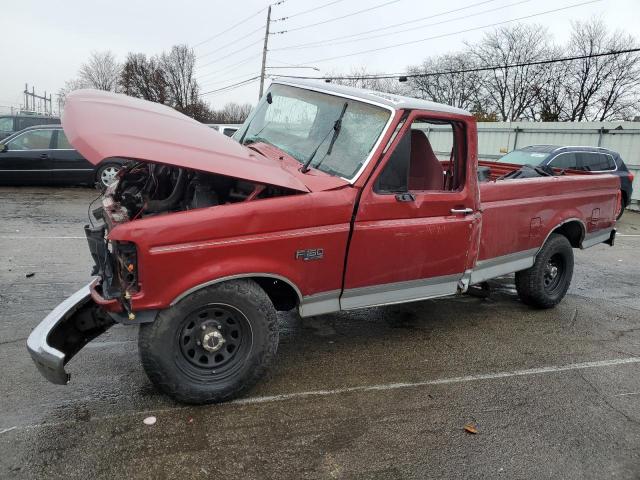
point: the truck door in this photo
(417, 226)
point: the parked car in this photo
(9, 124)
(226, 129)
(329, 198)
(42, 155)
(588, 159)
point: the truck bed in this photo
(519, 214)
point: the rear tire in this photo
(546, 283)
(213, 345)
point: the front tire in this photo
(213, 345)
(546, 283)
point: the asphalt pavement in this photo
(379, 393)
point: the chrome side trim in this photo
(235, 277)
(320, 303)
(503, 265)
(50, 361)
(594, 238)
(400, 292)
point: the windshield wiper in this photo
(336, 130)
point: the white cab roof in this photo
(388, 99)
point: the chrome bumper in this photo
(49, 360)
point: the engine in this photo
(146, 189)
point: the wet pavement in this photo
(380, 393)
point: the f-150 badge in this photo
(310, 254)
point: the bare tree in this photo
(101, 71)
(179, 67)
(605, 87)
(460, 90)
(510, 90)
(231, 113)
(143, 77)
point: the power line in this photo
(232, 26)
(229, 68)
(385, 28)
(225, 80)
(387, 47)
(216, 60)
(307, 11)
(467, 70)
(221, 47)
(328, 42)
(338, 18)
(232, 86)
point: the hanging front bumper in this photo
(64, 332)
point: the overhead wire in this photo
(441, 22)
(232, 86)
(466, 70)
(211, 62)
(320, 42)
(221, 47)
(323, 22)
(307, 11)
(229, 68)
(412, 42)
(231, 27)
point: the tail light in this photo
(631, 176)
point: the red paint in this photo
(391, 242)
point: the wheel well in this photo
(282, 294)
(573, 230)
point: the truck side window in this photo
(427, 158)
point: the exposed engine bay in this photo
(145, 189)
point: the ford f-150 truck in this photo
(327, 198)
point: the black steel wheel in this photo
(213, 345)
(546, 283)
(214, 340)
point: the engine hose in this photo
(171, 200)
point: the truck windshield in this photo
(524, 157)
(296, 121)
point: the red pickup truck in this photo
(327, 198)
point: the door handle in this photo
(44, 155)
(405, 197)
(461, 211)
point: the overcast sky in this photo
(51, 40)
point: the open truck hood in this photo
(103, 125)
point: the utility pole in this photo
(264, 53)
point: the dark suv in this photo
(9, 124)
(589, 159)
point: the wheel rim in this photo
(215, 340)
(554, 273)
(108, 175)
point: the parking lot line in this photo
(33, 237)
(441, 381)
(367, 388)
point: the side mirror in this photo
(3, 147)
